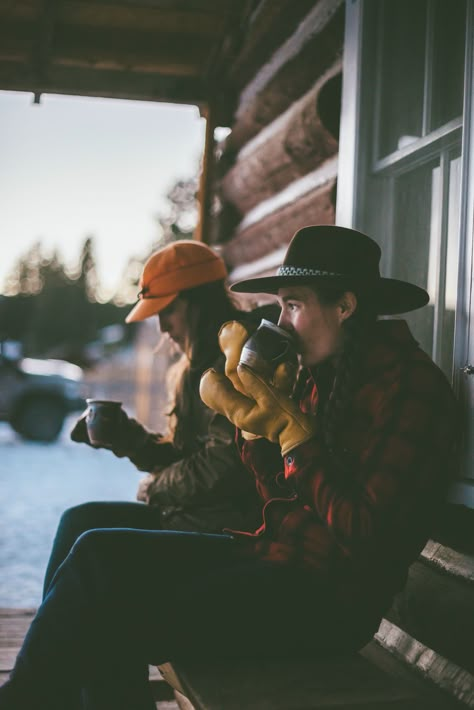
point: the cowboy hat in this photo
(329, 254)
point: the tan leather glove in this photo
(251, 403)
(232, 337)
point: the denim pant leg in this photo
(126, 598)
(93, 630)
(89, 516)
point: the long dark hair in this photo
(346, 376)
(209, 306)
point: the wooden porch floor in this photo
(14, 624)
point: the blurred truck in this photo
(37, 395)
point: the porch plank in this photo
(14, 624)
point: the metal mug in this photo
(267, 347)
(101, 420)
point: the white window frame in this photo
(354, 169)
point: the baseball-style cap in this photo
(176, 267)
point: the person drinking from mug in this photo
(351, 467)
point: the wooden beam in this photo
(139, 17)
(216, 71)
(210, 6)
(15, 76)
(168, 54)
(91, 47)
(442, 672)
(44, 38)
(206, 179)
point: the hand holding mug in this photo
(106, 425)
(104, 421)
(267, 348)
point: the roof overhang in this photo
(155, 50)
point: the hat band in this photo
(303, 271)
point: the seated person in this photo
(351, 469)
(196, 481)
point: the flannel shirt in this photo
(362, 529)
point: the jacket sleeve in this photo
(154, 452)
(264, 460)
(404, 467)
(213, 472)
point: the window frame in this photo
(356, 163)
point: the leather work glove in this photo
(127, 437)
(249, 401)
(232, 337)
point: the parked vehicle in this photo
(37, 395)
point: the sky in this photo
(75, 167)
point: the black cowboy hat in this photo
(339, 256)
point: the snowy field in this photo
(37, 482)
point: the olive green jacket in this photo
(204, 488)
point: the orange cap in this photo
(176, 267)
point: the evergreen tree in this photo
(87, 270)
(53, 312)
(56, 312)
(181, 214)
(25, 277)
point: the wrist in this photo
(131, 438)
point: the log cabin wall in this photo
(276, 171)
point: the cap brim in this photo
(147, 307)
(390, 295)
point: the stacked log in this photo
(291, 72)
(285, 151)
(277, 171)
(256, 239)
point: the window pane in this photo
(402, 58)
(416, 242)
(448, 61)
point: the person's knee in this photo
(99, 546)
(91, 541)
(78, 519)
(101, 559)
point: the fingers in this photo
(218, 393)
(232, 337)
(79, 431)
(284, 377)
(262, 391)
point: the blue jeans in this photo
(124, 599)
(90, 516)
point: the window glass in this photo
(402, 65)
(415, 248)
(448, 61)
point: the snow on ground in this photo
(37, 482)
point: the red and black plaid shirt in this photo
(362, 529)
